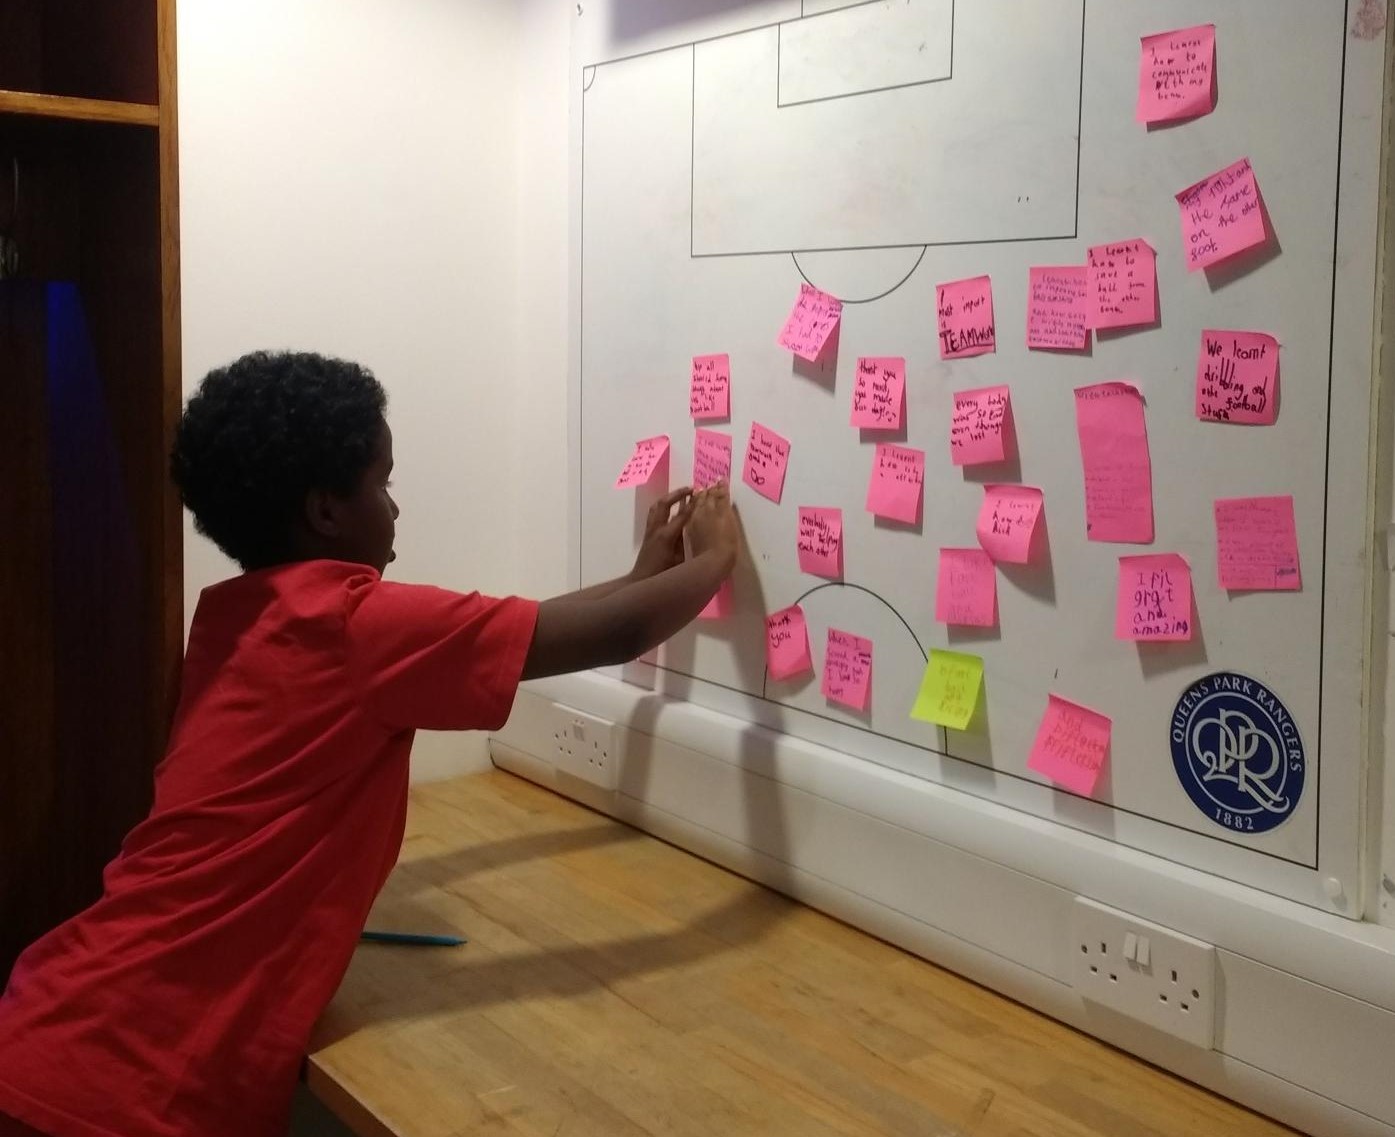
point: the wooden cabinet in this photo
(90, 551)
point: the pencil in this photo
(414, 938)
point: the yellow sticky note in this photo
(949, 692)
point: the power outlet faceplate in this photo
(1143, 970)
(586, 747)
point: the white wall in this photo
(385, 180)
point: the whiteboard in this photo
(723, 154)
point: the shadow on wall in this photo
(633, 19)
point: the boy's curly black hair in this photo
(261, 433)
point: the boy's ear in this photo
(324, 514)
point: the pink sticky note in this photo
(979, 430)
(812, 320)
(767, 457)
(1123, 284)
(898, 477)
(965, 309)
(821, 541)
(1155, 599)
(1058, 307)
(1257, 544)
(847, 669)
(711, 458)
(879, 393)
(1006, 522)
(649, 452)
(709, 396)
(1237, 378)
(1177, 74)
(1221, 215)
(1071, 746)
(719, 607)
(787, 643)
(1118, 472)
(966, 592)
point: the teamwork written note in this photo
(879, 395)
(1118, 471)
(898, 478)
(767, 458)
(719, 607)
(1257, 544)
(812, 321)
(1155, 599)
(1007, 521)
(711, 458)
(979, 429)
(709, 396)
(1237, 378)
(1221, 216)
(966, 591)
(821, 541)
(1058, 307)
(1177, 75)
(949, 689)
(1123, 284)
(649, 452)
(787, 643)
(1071, 746)
(847, 669)
(965, 309)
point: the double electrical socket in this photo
(585, 747)
(1148, 972)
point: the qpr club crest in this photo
(1237, 752)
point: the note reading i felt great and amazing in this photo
(1071, 745)
(812, 322)
(767, 458)
(965, 311)
(980, 427)
(711, 458)
(648, 453)
(1237, 378)
(787, 643)
(1222, 215)
(1007, 521)
(1122, 284)
(1058, 308)
(966, 590)
(1155, 599)
(847, 669)
(1114, 455)
(949, 689)
(709, 395)
(1177, 75)
(820, 541)
(898, 479)
(1257, 544)
(879, 395)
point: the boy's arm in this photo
(576, 632)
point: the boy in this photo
(181, 1003)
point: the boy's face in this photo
(369, 520)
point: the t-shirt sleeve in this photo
(434, 659)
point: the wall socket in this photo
(586, 747)
(1148, 972)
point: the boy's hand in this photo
(712, 525)
(663, 534)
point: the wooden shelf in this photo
(78, 110)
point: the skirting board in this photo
(1306, 1001)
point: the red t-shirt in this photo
(181, 1003)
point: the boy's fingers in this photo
(669, 500)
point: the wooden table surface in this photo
(614, 986)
